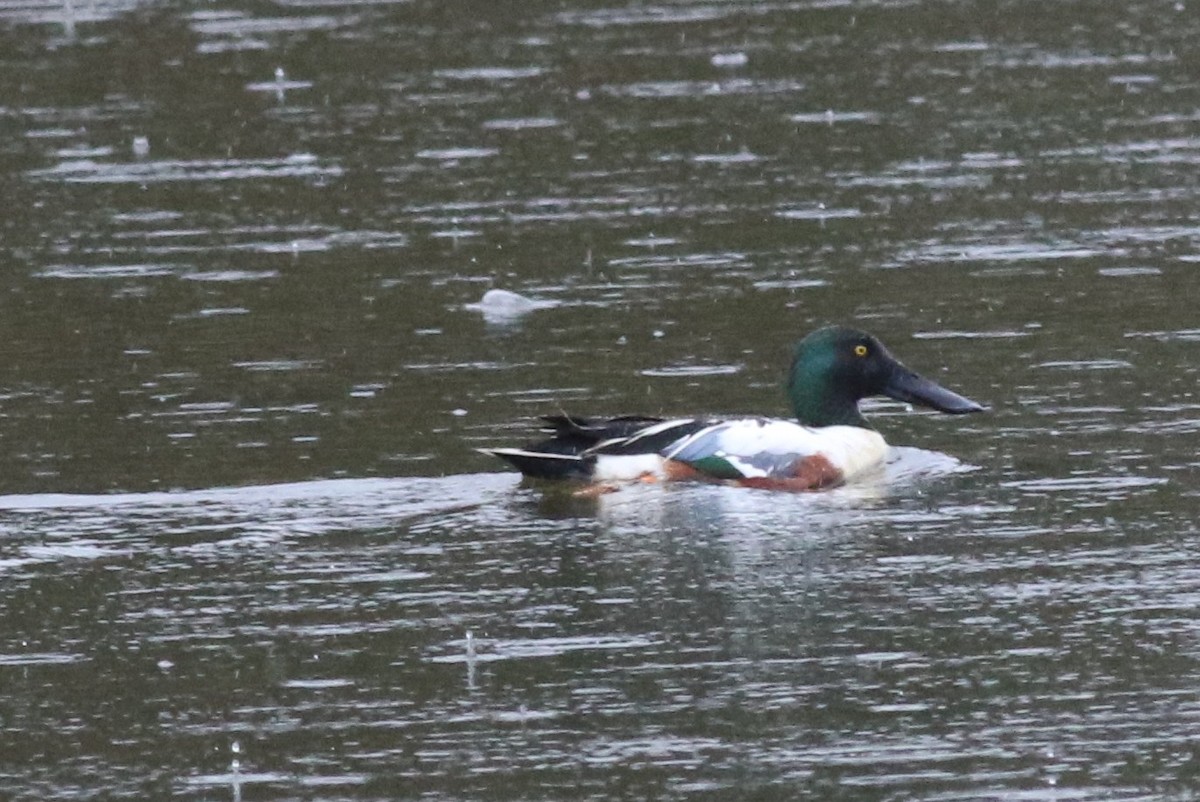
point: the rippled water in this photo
(247, 547)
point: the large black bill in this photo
(905, 385)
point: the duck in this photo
(828, 444)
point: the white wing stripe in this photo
(649, 431)
(520, 452)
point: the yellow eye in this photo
(860, 350)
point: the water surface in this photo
(249, 550)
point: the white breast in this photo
(853, 449)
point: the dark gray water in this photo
(247, 550)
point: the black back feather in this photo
(574, 443)
(573, 435)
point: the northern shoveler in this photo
(832, 370)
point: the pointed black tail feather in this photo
(545, 465)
